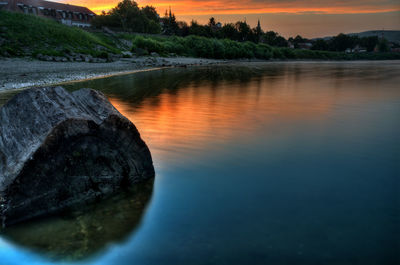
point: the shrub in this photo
(277, 53)
(148, 44)
(288, 53)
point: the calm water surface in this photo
(279, 163)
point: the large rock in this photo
(58, 149)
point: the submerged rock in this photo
(58, 149)
(85, 231)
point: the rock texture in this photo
(58, 149)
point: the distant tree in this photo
(211, 22)
(369, 42)
(320, 45)
(272, 38)
(243, 30)
(170, 25)
(183, 29)
(280, 41)
(129, 17)
(258, 32)
(151, 13)
(383, 45)
(199, 30)
(297, 40)
(229, 31)
(126, 11)
(341, 42)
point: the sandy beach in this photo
(18, 73)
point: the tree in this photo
(129, 17)
(297, 40)
(320, 45)
(211, 22)
(183, 29)
(170, 26)
(125, 11)
(229, 31)
(243, 30)
(272, 38)
(383, 45)
(151, 13)
(199, 30)
(369, 42)
(258, 32)
(341, 42)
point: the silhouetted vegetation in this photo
(198, 46)
(27, 35)
(129, 17)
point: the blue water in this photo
(264, 163)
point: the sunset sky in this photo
(310, 18)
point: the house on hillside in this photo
(357, 49)
(67, 14)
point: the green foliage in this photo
(277, 53)
(289, 53)
(28, 34)
(196, 46)
(263, 51)
(151, 45)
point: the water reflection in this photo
(80, 233)
(280, 163)
(179, 111)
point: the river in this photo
(258, 163)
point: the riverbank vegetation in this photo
(130, 18)
(28, 35)
(196, 46)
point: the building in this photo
(67, 14)
(357, 49)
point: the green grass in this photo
(28, 34)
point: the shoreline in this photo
(19, 74)
(23, 73)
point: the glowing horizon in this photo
(220, 7)
(309, 18)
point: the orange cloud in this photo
(192, 7)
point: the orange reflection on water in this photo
(190, 120)
(200, 117)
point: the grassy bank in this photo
(27, 35)
(22, 35)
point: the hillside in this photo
(30, 36)
(390, 35)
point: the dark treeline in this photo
(130, 18)
(343, 42)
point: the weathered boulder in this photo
(58, 149)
